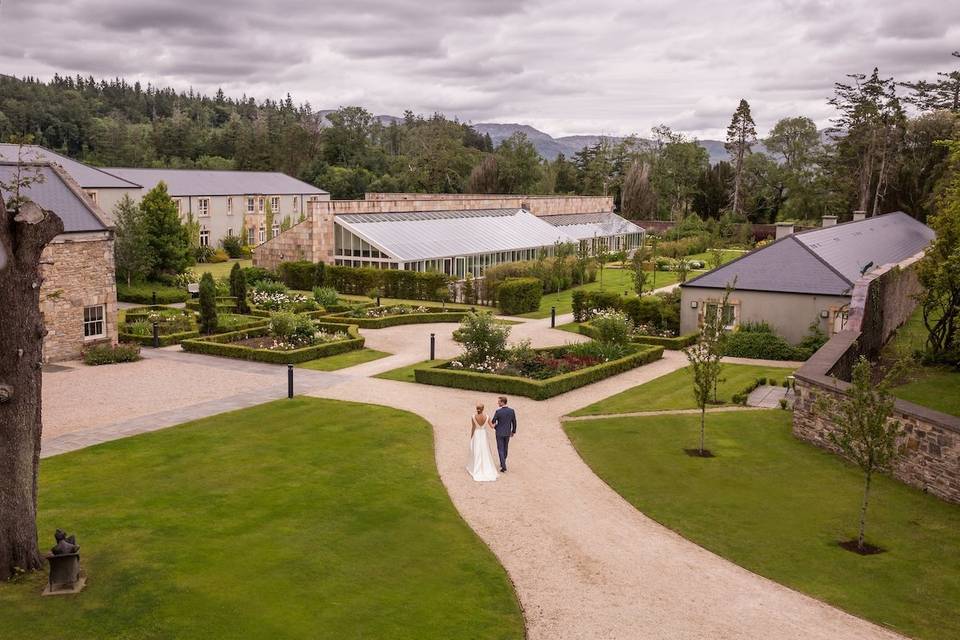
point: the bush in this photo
(218, 256)
(299, 275)
(811, 342)
(142, 293)
(325, 296)
(766, 346)
(760, 326)
(612, 327)
(238, 287)
(259, 274)
(203, 253)
(111, 354)
(481, 337)
(432, 314)
(224, 345)
(266, 286)
(233, 245)
(282, 324)
(352, 280)
(208, 304)
(586, 304)
(676, 344)
(319, 274)
(519, 295)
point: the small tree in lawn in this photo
(602, 256)
(653, 259)
(865, 433)
(716, 258)
(238, 287)
(208, 304)
(640, 276)
(704, 357)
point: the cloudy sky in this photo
(566, 67)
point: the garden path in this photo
(584, 562)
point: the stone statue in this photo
(65, 544)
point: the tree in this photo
(716, 257)
(797, 142)
(741, 136)
(469, 290)
(166, 237)
(131, 246)
(712, 195)
(864, 432)
(25, 230)
(683, 269)
(208, 303)
(238, 287)
(483, 177)
(601, 255)
(638, 199)
(518, 165)
(941, 94)
(640, 275)
(705, 359)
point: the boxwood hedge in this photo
(142, 293)
(519, 295)
(667, 343)
(225, 345)
(536, 389)
(433, 314)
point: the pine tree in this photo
(741, 136)
(165, 235)
(208, 304)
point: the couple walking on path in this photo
(504, 423)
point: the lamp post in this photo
(289, 381)
(433, 346)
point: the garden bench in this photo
(194, 289)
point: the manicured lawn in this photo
(674, 390)
(344, 360)
(778, 506)
(404, 374)
(219, 269)
(570, 327)
(300, 518)
(931, 386)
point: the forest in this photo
(884, 150)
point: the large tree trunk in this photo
(23, 235)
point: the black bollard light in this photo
(154, 298)
(156, 335)
(378, 301)
(553, 317)
(433, 346)
(289, 381)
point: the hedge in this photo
(300, 275)
(136, 314)
(227, 304)
(142, 293)
(395, 283)
(761, 345)
(223, 345)
(585, 301)
(667, 343)
(536, 389)
(433, 314)
(519, 295)
(164, 340)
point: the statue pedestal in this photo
(66, 576)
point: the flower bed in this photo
(447, 375)
(675, 343)
(373, 317)
(257, 344)
(175, 325)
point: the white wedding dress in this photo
(481, 465)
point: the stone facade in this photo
(537, 205)
(78, 272)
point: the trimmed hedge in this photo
(519, 295)
(395, 283)
(761, 345)
(226, 304)
(675, 344)
(142, 293)
(434, 314)
(584, 301)
(300, 275)
(223, 345)
(536, 389)
(164, 340)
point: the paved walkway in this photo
(584, 562)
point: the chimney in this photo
(859, 215)
(784, 229)
(829, 221)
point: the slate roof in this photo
(56, 195)
(823, 261)
(212, 182)
(424, 235)
(86, 176)
(587, 225)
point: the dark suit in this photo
(505, 424)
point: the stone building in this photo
(78, 296)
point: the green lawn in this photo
(674, 390)
(300, 518)
(344, 360)
(219, 269)
(706, 256)
(778, 506)
(935, 387)
(403, 374)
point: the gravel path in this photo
(584, 562)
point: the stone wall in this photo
(310, 240)
(78, 272)
(537, 205)
(930, 443)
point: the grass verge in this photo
(344, 360)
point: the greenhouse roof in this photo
(583, 226)
(425, 235)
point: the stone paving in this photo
(584, 562)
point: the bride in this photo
(481, 465)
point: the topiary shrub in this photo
(299, 275)
(519, 295)
(208, 304)
(238, 288)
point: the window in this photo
(260, 201)
(230, 231)
(251, 232)
(275, 204)
(203, 206)
(729, 313)
(204, 237)
(275, 231)
(296, 204)
(230, 206)
(93, 324)
(250, 205)
(263, 234)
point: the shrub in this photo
(111, 354)
(233, 245)
(481, 337)
(266, 286)
(187, 277)
(586, 304)
(300, 275)
(612, 327)
(225, 345)
(203, 253)
(255, 275)
(319, 274)
(282, 324)
(218, 256)
(783, 403)
(142, 293)
(208, 304)
(325, 296)
(811, 342)
(519, 295)
(238, 287)
(352, 280)
(766, 346)
(759, 326)
(469, 290)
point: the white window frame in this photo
(204, 237)
(251, 235)
(296, 204)
(263, 234)
(203, 207)
(251, 204)
(94, 315)
(229, 231)
(275, 231)
(261, 202)
(275, 203)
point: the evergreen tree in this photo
(165, 235)
(208, 304)
(131, 248)
(741, 136)
(238, 287)
(518, 165)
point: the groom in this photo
(505, 423)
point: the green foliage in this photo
(481, 337)
(299, 275)
(142, 293)
(518, 165)
(519, 295)
(238, 287)
(759, 344)
(224, 345)
(325, 296)
(612, 327)
(208, 304)
(431, 315)
(675, 344)
(705, 361)
(256, 275)
(588, 303)
(394, 283)
(166, 237)
(233, 245)
(111, 354)
(320, 274)
(469, 290)
(131, 248)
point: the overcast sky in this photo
(566, 67)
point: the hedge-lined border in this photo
(675, 344)
(165, 295)
(536, 389)
(164, 340)
(222, 345)
(433, 314)
(223, 302)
